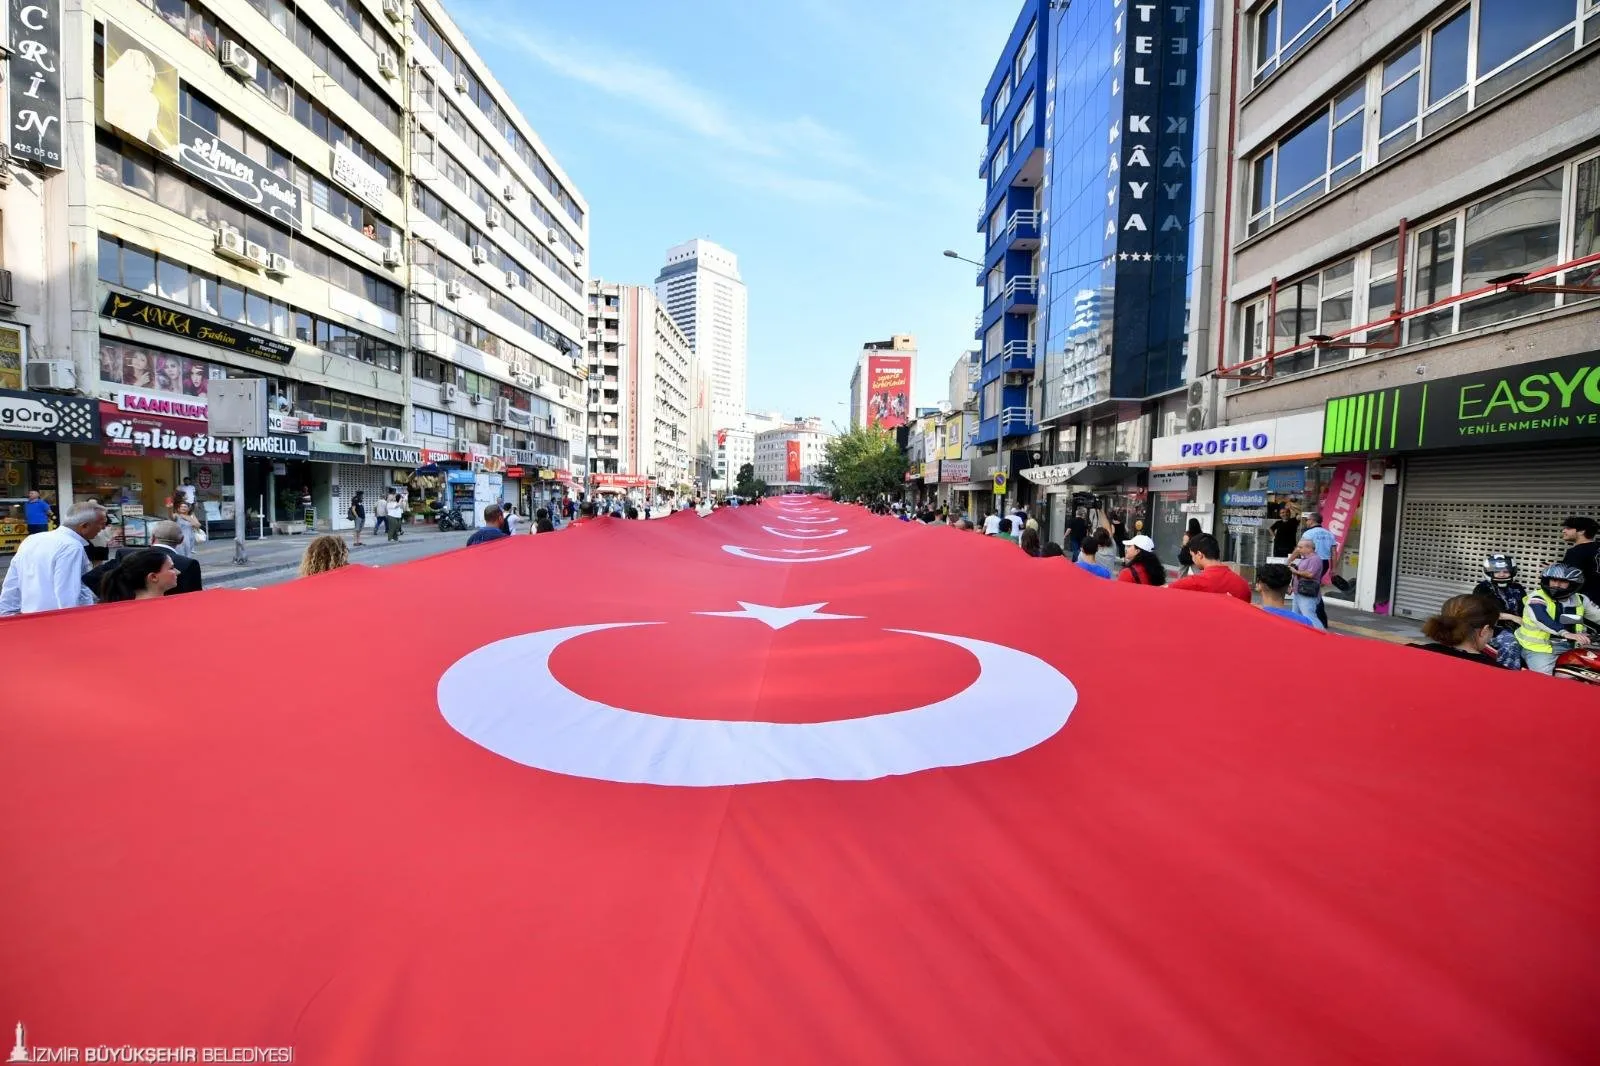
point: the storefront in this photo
(151, 443)
(36, 432)
(1473, 464)
(1250, 483)
(1087, 489)
(277, 473)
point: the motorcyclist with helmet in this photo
(1543, 636)
(1500, 583)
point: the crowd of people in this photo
(1499, 622)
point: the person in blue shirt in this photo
(36, 512)
(1093, 543)
(494, 526)
(1272, 582)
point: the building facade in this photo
(703, 292)
(1115, 179)
(787, 457)
(640, 388)
(880, 385)
(344, 204)
(1407, 336)
(736, 445)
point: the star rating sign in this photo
(778, 617)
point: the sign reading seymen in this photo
(202, 154)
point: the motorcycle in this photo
(1578, 664)
(449, 519)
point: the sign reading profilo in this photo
(34, 75)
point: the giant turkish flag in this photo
(788, 784)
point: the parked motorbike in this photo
(1579, 664)
(449, 519)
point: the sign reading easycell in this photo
(182, 324)
(1556, 399)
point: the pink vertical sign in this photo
(1340, 504)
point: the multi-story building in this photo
(640, 402)
(787, 456)
(1412, 233)
(342, 203)
(880, 384)
(704, 294)
(1011, 221)
(736, 445)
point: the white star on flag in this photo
(778, 617)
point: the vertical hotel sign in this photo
(1150, 190)
(34, 107)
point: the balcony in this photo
(1022, 231)
(1017, 422)
(1021, 294)
(1016, 357)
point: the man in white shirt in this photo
(511, 518)
(47, 572)
(991, 525)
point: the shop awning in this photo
(1091, 473)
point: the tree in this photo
(747, 484)
(864, 462)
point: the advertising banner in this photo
(140, 434)
(46, 416)
(888, 390)
(1556, 399)
(141, 91)
(955, 471)
(791, 461)
(226, 168)
(35, 78)
(1340, 505)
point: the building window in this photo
(1026, 53)
(1022, 125)
(1283, 28)
(997, 110)
(997, 162)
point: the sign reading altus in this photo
(1551, 400)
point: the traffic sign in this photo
(999, 484)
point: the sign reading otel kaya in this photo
(183, 324)
(1556, 399)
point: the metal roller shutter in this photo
(373, 481)
(1459, 508)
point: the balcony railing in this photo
(1021, 293)
(1022, 227)
(1015, 420)
(1016, 357)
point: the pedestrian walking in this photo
(164, 536)
(1215, 575)
(1307, 568)
(511, 516)
(147, 574)
(380, 514)
(1144, 565)
(187, 491)
(47, 572)
(1273, 582)
(37, 512)
(394, 509)
(1030, 540)
(324, 553)
(358, 514)
(188, 525)
(542, 523)
(493, 528)
(1094, 556)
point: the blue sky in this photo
(832, 144)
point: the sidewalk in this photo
(1375, 626)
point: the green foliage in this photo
(864, 462)
(747, 484)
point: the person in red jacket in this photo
(1214, 575)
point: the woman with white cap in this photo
(1144, 566)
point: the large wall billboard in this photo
(888, 390)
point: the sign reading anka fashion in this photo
(35, 81)
(183, 324)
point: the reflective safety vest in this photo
(1534, 636)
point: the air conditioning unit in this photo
(393, 436)
(392, 257)
(525, 380)
(502, 409)
(462, 444)
(554, 236)
(52, 375)
(510, 193)
(238, 61)
(388, 66)
(255, 253)
(230, 244)
(577, 262)
(480, 254)
(561, 391)
(479, 398)
(512, 280)
(393, 11)
(279, 265)
(493, 217)
(497, 444)
(1201, 404)
(453, 289)
(451, 392)
(538, 382)
(461, 83)
(351, 433)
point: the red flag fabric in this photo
(791, 783)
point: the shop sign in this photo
(202, 154)
(1171, 481)
(398, 455)
(930, 472)
(1556, 399)
(1339, 506)
(1286, 479)
(152, 403)
(45, 416)
(520, 418)
(433, 455)
(183, 324)
(955, 471)
(13, 342)
(354, 174)
(618, 481)
(1239, 498)
(35, 77)
(282, 423)
(1246, 444)
(280, 445)
(131, 434)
